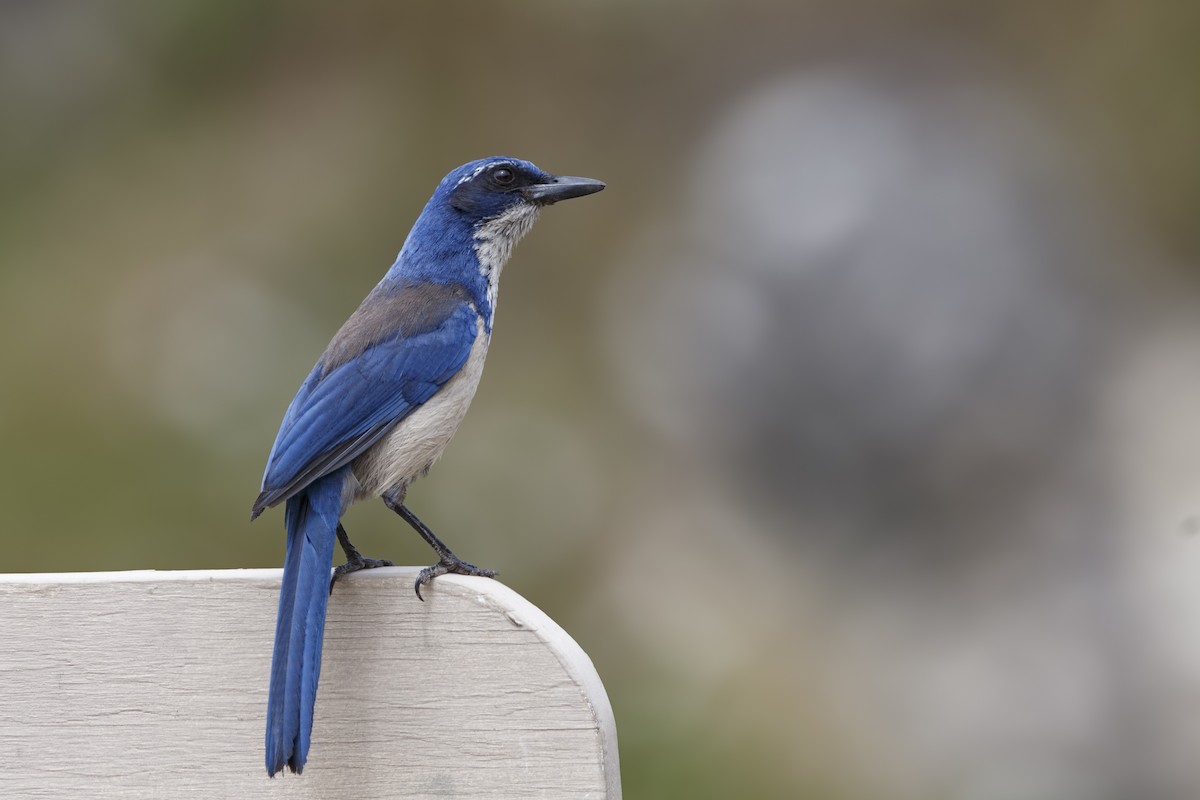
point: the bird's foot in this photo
(450, 563)
(356, 563)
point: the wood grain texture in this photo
(153, 685)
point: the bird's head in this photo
(475, 217)
(491, 188)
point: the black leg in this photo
(447, 561)
(354, 559)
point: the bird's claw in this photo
(354, 565)
(451, 564)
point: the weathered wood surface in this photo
(153, 685)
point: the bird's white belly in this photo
(410, 449)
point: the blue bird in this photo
(381, 405)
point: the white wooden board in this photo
(153, 685)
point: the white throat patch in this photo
(494, 242)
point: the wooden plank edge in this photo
(496, 595)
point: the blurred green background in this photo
(852, 430)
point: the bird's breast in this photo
(418, 440)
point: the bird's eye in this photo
(503, 176)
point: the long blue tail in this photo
(312, 520)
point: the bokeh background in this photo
(853, 430)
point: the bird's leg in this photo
(354, 559)
(447, 561)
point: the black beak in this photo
(563, 187)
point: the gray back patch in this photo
(408, 309)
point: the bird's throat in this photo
(494, 240)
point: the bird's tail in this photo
(312, 520)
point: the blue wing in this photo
(337, 416)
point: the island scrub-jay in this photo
(382, 403)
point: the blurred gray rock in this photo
(878, 301)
